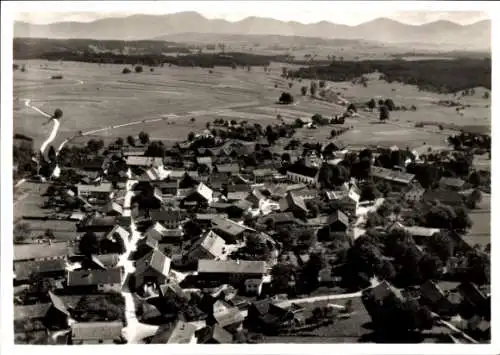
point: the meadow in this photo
(162, 103)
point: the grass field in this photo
(96, 96)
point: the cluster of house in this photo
(466, 307)
(161, 201)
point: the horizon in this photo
(302, 12)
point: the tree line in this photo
(432, 75)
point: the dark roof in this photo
(96, 330)
(156, 260)
(339, 216)
(59, 304)
(95, 277)
(299, 168)
(283, 217)
(215, 333)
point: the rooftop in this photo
(95, 277)
(392, 175)
(232, 266)
(96, 330)
(40, 251)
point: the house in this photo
(153, 267)
(58, 314)
(415, 194)
(201, 195)
(52, 268)
(455, 184)
(39, 252)
(230, 271)
(173, 287)
(119, 232)
(228, 169)
(237, 195)
(180, 333)
(394, 177)
(205, 219)
(211, 246)
(84, 333)
(280, 220)
(142, 161)
(230, 319)
(338, 221)
(294, 204)
(472, 294)
(204, 160)
(167, 188)
(299, 173)
(434, 297)
(161, 234)
(271, 318)
(373, 299)
(113, 209)
(94, 223)
(99, 192)
(214, 335)
(171, 219)
(262, 175)
(108, 280)
(229, 230)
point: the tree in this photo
(352, 108)
(441, 245)
(144, 137)
(383, 113)
(192, 120)
(371, 104)
(390, 104)
(303, 90)
(322, 84)
(282, 276)
(94, 309)
(138, 69)
(312, 268)
(89, 244)
(131, 141)
(286, 98)
(313, 88)
(473, 199)
(126, 71)
(119, 142)
(57, 113)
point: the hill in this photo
(476, 36)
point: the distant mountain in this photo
(476, 36)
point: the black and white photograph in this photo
(233, 172)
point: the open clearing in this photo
(100, 97)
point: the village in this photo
(243, 234)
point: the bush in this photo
(286, 98)
(126, 71)
(138, 69)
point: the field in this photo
(99, 97)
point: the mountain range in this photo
(476, 36)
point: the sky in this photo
(302, 11)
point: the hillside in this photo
(476, 36)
